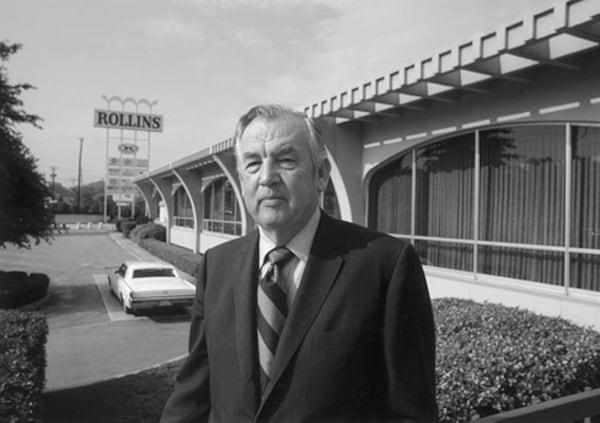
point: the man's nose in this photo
(268, 173)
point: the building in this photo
(486, 156)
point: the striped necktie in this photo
(272, 310)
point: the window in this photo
(522, 200)
(391, 199)
(221, 210)
(153, 273)
(522, 221)
(329, 202)
(183, 213)
(585, 208)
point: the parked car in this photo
(141, 285)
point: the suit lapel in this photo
(244, 289)
(319, 276)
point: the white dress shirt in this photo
(300, 245)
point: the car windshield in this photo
(151, 273)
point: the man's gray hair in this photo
(316, 143)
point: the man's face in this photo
(280, 183)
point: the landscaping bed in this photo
(491, 358)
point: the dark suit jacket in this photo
(358, 344)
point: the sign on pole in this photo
(127, 146)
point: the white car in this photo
(143, 285)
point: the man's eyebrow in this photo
(285, 149)
(249, 155)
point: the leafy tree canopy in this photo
(24, 214)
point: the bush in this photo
(18, 289)
(493, 358)
(126, 227)
(149, 230)
(178, 256)
(142, 219)
(22, 364)
(119, 224)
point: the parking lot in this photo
(90, 337)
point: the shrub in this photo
(22, 364)
(119, 224)
(178, 256)
(142, 219)
(149, 230)
(127, 226)
(18, 289)
(493, 358)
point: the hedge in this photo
(22, 365)
(126, 227)
(149, 230)
(178, 256)
(493, 358)
(18, 288)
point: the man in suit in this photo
(307, 319)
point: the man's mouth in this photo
(272, 201)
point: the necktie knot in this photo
(279, 256)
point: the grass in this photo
(129, 399)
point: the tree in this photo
(24, 212)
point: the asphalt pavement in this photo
(90, 338)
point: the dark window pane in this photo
(517, 263)
(391, 197)
(330, 203)
(522, 185)
(585, 271)
(585, 188)
(208, 201)
(445, 188)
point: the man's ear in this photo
(323, 175)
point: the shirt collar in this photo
(299, 245)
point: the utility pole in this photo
(53, 176)
(79, 173)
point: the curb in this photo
(119, 376)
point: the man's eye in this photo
(287, 162)
(252, 166)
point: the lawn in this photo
(129, 399)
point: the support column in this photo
(192, 183)
(345, 154)
(227, 162)
(164, 189)
(147, 190)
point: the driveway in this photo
(90, 338)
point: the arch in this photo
(340, 189)
(222, 213)
(238, 193)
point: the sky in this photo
(206, 62)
